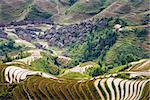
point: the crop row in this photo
(38, 87)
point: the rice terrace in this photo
(74, 49)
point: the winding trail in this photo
(35, 54)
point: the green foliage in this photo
(95, 45)
(94, 71)
(141, 33)
(41, 65)
(89, 63)
(75, 75)
(127, 48)
(123, 75)
(20, 55)
(45, 64)
(117, 69)
(35, 13)
(116, 20)
(87, 8)
(127, 53)
(8, 46)
(72, 1)
(7, 58)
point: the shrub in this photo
(94, 71)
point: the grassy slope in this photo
(81, 10)
(14, 10)
(75, 75)
(36, 13)
(129, 39)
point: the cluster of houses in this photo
(63, 36)
(69, 34)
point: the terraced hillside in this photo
(141, 65)
(37, 87)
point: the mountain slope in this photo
(36, 87)
(76, 10)
(14, 10)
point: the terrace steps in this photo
(42, 89)
(69, 88)
(36, 87)
(72, 89)
(86, 90)
(30, 86)
(65, 91)
(51, 89)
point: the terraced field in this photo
(35, 87)
(141, 65)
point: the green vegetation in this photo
(68, 87)
(45, 64)
(94, 64)
(20, 55)
(117, 69)
(35, 14)
(82, 7)
(7, 46)
(11, 12)
(96, 45)
(95, 71)
(126, 49)
(108, 48)
(91, 7)
(123, 75)
(75, 75)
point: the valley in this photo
(74, 50)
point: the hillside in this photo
(65, 12)
(36, 87)
(14, 10)
(74, 50)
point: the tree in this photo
(94, 71)
(10, 44)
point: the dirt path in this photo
(35, 54)
(77, 69)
